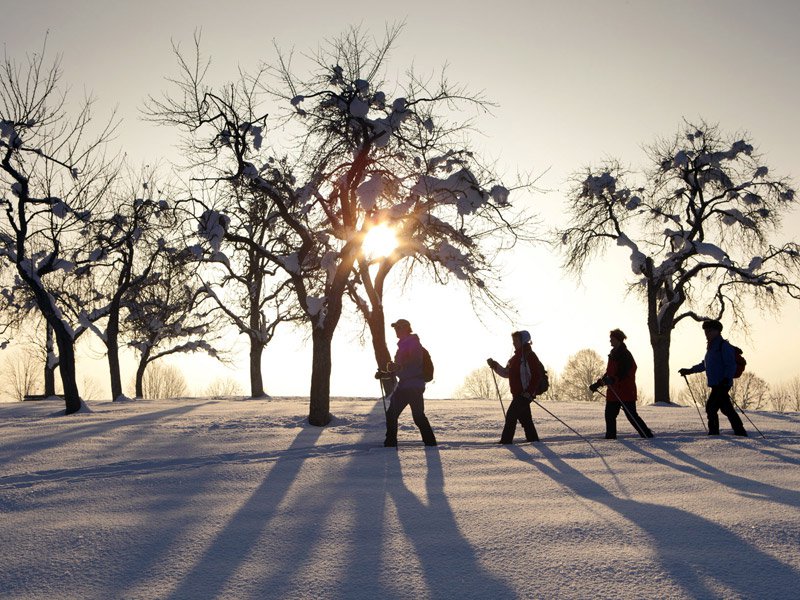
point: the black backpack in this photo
(427, 366)
(544, 381)
(738, 356)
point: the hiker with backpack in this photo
(526, 376)
(720, 368)
(620, 377)
(412, 372)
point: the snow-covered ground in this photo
(226, 498)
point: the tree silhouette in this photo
(696, 224)
(582, 369)
(356, 157)
(54, 175)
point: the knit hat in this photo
(618, 333)
(523, 336)
(712, 324)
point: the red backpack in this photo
(738, 356)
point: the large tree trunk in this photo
(256, 379)
(112, 346)
(319, 413)
(319, 410)
(143, 362)
(660, 343)
(64, 341)
(377, 329)
(660, 324)
(66, 366)
(49, 370)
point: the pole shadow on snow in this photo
(684, 546)
(698, 468)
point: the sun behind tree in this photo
(380, 241)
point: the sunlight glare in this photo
(380, 241)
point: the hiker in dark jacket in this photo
(620, 377)
(524, 373)
(407, 367)
(719, 365)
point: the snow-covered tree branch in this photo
(696, 226)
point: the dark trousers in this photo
(402, 397)
(720, 400)
(612, 410)
(519, 410)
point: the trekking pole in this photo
(691, 393)
(628, 412)
(497, 388)
(748, 418)
(565, 425)
(383, 396)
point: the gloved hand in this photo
(493, 364)
(382, 375)
(596, 385)
(684, 372)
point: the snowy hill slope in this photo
(231, 498)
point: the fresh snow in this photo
(233, 498)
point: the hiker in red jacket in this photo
(620, 377)
(524, 373)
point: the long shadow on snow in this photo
(124, 564)
(365, 570)
(684, 546)
(79, 430)
(362, 569)
(352, 569)
(449, 562)
(699, 468)
(241, 534)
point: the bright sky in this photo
(575, 82)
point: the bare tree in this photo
(694, 392)
(779, 398)
(786, 396)
(479, 384)
(359, 158)
(793, 386)
(53, 175)
(91, 388)
(223, 387)
(582, 369)
(162, 381)
(137, 226)
(21, 373)
(171, 315)
(750, 391)
(248, 288)
(696, 225)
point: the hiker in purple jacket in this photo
(407, 367)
